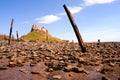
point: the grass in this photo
(34, 36)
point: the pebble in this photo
(35, 72)
(49, 70)
(19, 61)
(33, 63)
(49, 64)
(105, 78)
(78, 69)
(112, 64)
(58, 77)
(68, 68)
(3, 68)
(70, 75)
(23, 70)
(11, 64)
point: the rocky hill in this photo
(38, 33)
(40, 30)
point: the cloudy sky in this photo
(96, 19)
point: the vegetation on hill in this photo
(34, 36)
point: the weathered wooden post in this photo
(17, 35)
(98, 44)
(81, 43)
(10, 31)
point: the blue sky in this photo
(96, 19)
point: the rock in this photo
(62, 63)
(112, 64)
(48, 58)
(36, 28)
(49, 64)
(33, 63)
(19, 62)
(35, 72)
(78, 69)
(71, 57)
(81, 60)
(118, 78)
(70, 75)
(3, 68)
(49, 70)
(68, 68)
(105, 78)
(106, 69)
(23, 53)
(58, 77)
(35, 54)
(11, 64)
(72, 61)
(23, 70)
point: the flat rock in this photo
(58, 77)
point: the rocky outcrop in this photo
(38, 29)
(38, 34)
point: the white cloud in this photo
(92, 2)
(48, 19)
(74, 10)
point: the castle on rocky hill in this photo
(38, 29)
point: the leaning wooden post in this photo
(81, 43)
(10, 31)
(17, 35)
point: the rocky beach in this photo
(55, 60)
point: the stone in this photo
(23, 70)
(33, 63)
(105, 78)
(19, 62)
(35, 72)
(81, 60)
(47, 58)
(3, 68)
(78, 69)
(70, 75)
(11, 64)
(35, 54)
(49, 64)
(106, 69)
(23, 53)
(49, 70)
(68, 68)
(58, 77)
(112, 64)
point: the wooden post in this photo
(10, 31)
(81, 43)
(17, 35)
(98, 44)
